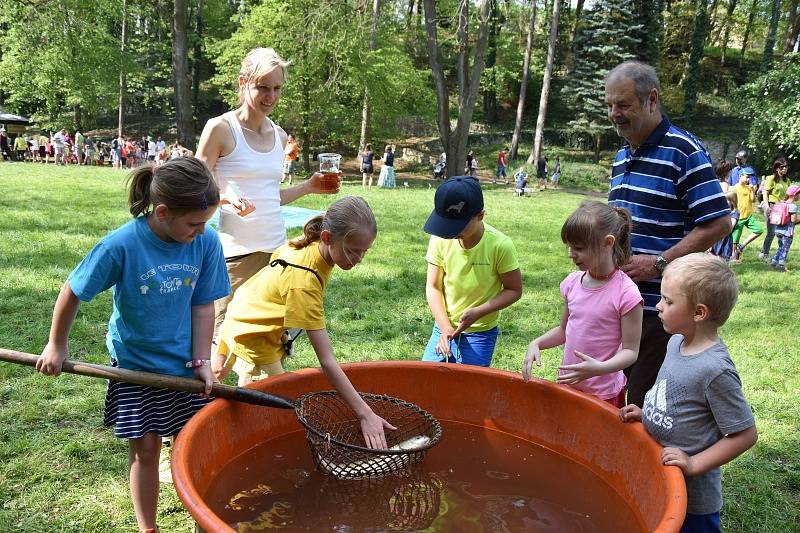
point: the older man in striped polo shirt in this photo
(664, 177)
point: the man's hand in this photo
(641, 267)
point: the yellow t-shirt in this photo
(272, 301)
(472, 277)
(744, 199)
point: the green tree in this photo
(60, 59)
(695, 55)
(606, 37)
(771, 103)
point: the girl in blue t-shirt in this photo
(165, 269)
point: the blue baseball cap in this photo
(747, 170)
(457, 201)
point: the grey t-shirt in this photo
(696, 401)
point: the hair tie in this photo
(203, 202)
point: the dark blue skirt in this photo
(134, 410)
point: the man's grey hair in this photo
(643, 75)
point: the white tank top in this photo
(257, 176)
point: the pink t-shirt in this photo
(594, 326)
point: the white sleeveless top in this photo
(257, 176)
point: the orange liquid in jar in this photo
(331, 180)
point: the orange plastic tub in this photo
(567, 422)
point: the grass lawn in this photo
(60, 470)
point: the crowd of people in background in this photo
(62, 148)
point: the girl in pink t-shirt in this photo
(602, 320)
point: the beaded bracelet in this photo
(197, 363)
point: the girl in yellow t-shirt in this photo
(288, 293)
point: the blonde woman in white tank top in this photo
(244, 150)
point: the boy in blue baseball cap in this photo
(473, 273)
(745, 197)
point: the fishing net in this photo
(337, 443)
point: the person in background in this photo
(745, 199)
(20, 147)
(556, 173)
(151, 149)
(520, 181)
(4, 145)
(775, 188)
(79, 145)
(162, 316)
(663, 175)
(741, 158)
(386, 177)
(502, 166)
(292, 152)
(785, 232)
(289, 293)
(367, 157)
(541, 171)
(722, 169)
(724, 247)
(471, 165)
(473, 273)
(696, 408)
(601, 323)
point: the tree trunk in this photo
(197, 56)
(77, 117)
(597, 141)
(712, 18)
(122, 71)
(180, 76)
(455, 142)
(726, 29)
(526, 68)
(578, 10)
(373, 44)
(747, 29)
(791, 29)
(490, 92)
(695, 55)
(772, 31)
(548, 70)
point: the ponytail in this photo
(343, 217)
(139, 182)
(311, 232)
(592, 221)
(183, 184)
(622, 236)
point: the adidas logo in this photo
(655, 405)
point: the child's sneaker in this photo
(781, 267)
(165, 460)
(763, 257)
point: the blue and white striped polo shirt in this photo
(669, 186)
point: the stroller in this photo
(440, 170)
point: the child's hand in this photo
(533, 355)
(204, 373)
(372, 426)
(630, 413)
(574, 373)
(677, 457)
(53, 356)
(468, 318)
(218, 367)
(443, 346)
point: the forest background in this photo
(428, 76)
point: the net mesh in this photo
(337, 444)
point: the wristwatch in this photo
(197, 363)
(661, 263)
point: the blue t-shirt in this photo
(733, 177)
(155, 284)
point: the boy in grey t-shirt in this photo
(696, 408)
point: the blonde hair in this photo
(183, 184)
(592, 221)
(706, 279)
(258, 63)
(345, 216)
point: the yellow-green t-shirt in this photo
(472, 277)
(744, 199)
(776, 189)
(272, 301)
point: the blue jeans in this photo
(475, 348)
(701, 523)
